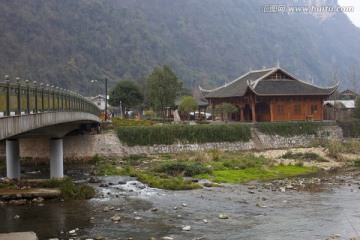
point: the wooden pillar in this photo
(212, 111)
(242, 118)
(289, 109)
(253, 110)
(321, 109)
(221, 113)
(271, 111)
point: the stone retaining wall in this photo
(82, 148)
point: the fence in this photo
(30, 98)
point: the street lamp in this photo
(106, 93)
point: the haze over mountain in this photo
(67, 43)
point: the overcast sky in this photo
(354, 16)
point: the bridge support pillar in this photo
(13, 159)
(56, 158)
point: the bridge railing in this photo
(18, 98)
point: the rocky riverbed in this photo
(321, 206)
(318, 207)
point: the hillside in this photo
(67, 43)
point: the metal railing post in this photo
(27, 97)
(61, 93)
(48, 97)
(53, 98)
(18, 96)
(7, 113)
(42, 97)
(36, 98)
(58, 98)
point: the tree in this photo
(188, 104)
(353, 79)
(228, 109)
(128, 93)
(163, 87)
(356, 113)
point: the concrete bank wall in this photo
(82, 148)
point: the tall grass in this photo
(145, 136)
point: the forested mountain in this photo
(69, 42)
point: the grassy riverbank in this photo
(178, 171)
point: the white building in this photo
(99, 100)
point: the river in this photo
(146, 212)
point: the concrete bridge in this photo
(37, 110)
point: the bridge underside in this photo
(54, 126)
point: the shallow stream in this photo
(147, 212)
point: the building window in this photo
(99, 103)
(313, 109)
(297, 109)
(280, 110)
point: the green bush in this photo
(307, 156)
(134, 159)
(160, 180)
(289, 129)
(244, 161)
(69, 190)
(52, 183)
(160, 120)
(356, 162)
(170, 134)
(335, 148)
(350, 128)
(106, 169)
(183, 168)
(118, 122)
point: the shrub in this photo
(118, 122)
(171, 134)
(356, 162)
(134, 158)
(69, 190)
(350, 128)
(183, 168)
(289, 129)
(245, 161)
(215, 154)
(335, 148)
(107, 169)
(160, 180)
(307, 156)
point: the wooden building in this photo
(269, 95)
(348, 95)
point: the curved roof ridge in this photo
(325, 88)
(272, 70)
(226, 84)
(263, 69)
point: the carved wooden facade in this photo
(269, 95)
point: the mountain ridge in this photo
(68, 43)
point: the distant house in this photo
(339, 110)
(348, 95)
(99, 100)
(268, 95)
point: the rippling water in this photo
(287, 215)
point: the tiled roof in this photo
(257, 82)
(289, 87)
(237, 87)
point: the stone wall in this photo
(82, 148)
